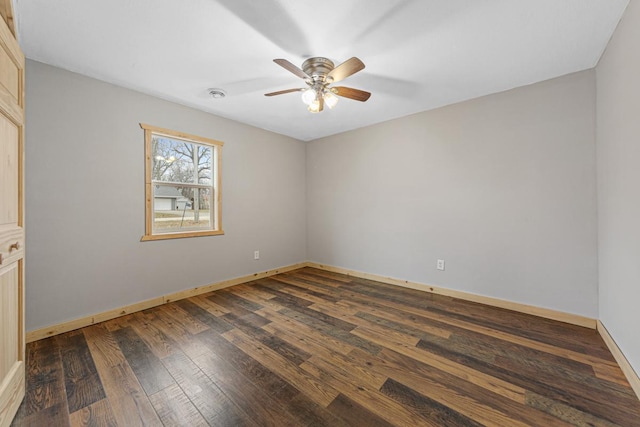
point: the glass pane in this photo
(175, 160)
(205, 164)
(176, 209)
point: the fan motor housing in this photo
(318, 67)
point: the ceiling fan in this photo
(318, 73)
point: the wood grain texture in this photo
(82, 384)
(151, 373)
(175, 409)
(318, 348)
(96, 414)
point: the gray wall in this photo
(85, 199)
(503, 188)
(618, 142)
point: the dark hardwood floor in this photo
(312, 348)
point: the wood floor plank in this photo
(430, 409)
(96, 414)
(392, 334)
(334, 322)
(177, 333)
(611, 375)
(175, 409)
(314, 284)
(299, 289)
(118, 322)
(316, 348)
(355, 414)
(159, 343)
(347, 368)
(203, 302)
(369, 398)
(203, 316)
(251, 399)
(567, 413)
(82, 383)
(306, 411)
(44, 369)
(408, 323)
(181, 317)
(235, 304)
(292, 353)
(577, 382)
(264, 302)
(248, 291)
(340, 334)
(129, 403)
(459, 370)
(56, 415)
(104, 349)
(493, 350)
(307, 384)
(586, 399)
(149, 371)
(273, 287)
(469, 399)
(214, 405)
(301, 335)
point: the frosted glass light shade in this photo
(308, 96)
(330, 99)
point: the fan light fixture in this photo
(311, 97)
(318, 73)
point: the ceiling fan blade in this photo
(292, 68)
(351, 93)
(347, 68)
(321, 102)
(282, 92)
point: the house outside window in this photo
(182, 185)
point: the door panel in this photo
(9, 75)
(8, 318)
(12, 343)
(8, 171)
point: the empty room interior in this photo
(339, 213)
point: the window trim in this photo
(216, 178)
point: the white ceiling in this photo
(419, 54)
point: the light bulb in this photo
(314, 107)
(330, 99)
(308, 96)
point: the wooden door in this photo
(12, 337)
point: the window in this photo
(182, 185)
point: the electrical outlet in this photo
(440, 264)
(256, 254)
